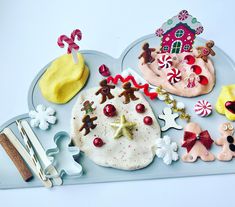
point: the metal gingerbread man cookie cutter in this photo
(63, 156)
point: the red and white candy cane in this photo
(174, 76)
(203, 108)
(71, 44)
(76, 33)
(165, 61)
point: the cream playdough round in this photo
(189, 84)
(122, 153)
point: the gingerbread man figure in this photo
(105, 91)
(88, 124)
(205, 51)
(197, 143)
(128, 93)
(169, 118)
(146, 54)
(226, 141)
(87, 107)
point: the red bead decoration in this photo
(140, 108)
(148, 120)
(189, 59)
(104, 70)
(109, 110)
(196, 69)
(98, 142)
(203, 80)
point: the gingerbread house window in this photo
(176, 46)
(179, 33)
(165, 48)
(187, 47)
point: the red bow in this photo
(190, 139)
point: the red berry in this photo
(148, 120)
(109, 110)
(98, 142)
(104, 70)
(140, 108)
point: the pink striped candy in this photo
(203, 108)
(174, 76)
(165, 61)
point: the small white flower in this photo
(166, 150)
(42, 117)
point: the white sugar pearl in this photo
(180, 105)
(161, 97)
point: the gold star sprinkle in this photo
(123, 128)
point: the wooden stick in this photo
(16, 158)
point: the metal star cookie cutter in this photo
(63, 156)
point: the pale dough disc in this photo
(158, 77)
(121, 153)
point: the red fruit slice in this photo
(203, 80)
(230, 105)
(189, 59)
(196, 69)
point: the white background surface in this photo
(28, 34)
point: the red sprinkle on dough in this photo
(145, 87)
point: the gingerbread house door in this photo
(176, 46)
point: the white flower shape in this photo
(166, 150)
(42, 117)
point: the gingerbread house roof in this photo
(183, 17)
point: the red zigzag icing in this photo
(145, 87)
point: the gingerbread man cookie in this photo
(105, 91)
(128, 93)
(87, 107)
(146, 54)
(226, 141)
(205, 51)
(197, 143)
(88, 124)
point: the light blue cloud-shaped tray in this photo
(92, 173)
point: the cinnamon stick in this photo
(16, 158)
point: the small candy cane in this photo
(76, 33)
(69, 41)
(72, 46)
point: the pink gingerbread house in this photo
(178, 33)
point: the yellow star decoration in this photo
(123, 128)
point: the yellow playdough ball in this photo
(63, 79)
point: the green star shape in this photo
(123, 128)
